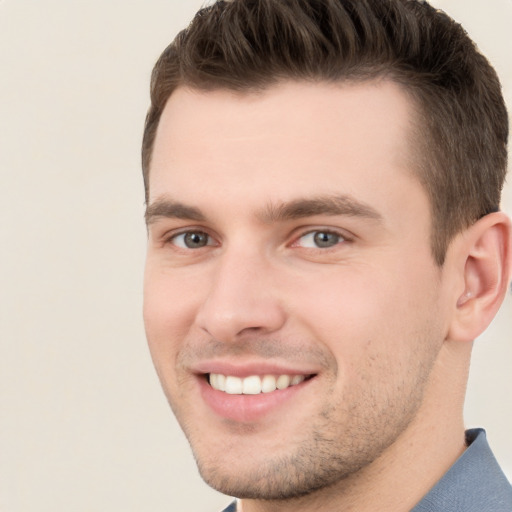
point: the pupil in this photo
(326, 239)
(194, 240)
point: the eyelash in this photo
(342, 239)
(172, 238)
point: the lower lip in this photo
(247, 408)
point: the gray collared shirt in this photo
(475, 483)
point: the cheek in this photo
(364, 312)
(344, 303)
(168, 299)
(168, 316)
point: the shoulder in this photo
(475, 483)
(231, 507)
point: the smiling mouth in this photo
(254, 384)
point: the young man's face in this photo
(289, 246)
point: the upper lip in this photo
(246, 369)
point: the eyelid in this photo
(302, 232)
(169, 236)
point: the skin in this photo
(370, 315)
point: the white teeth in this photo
(268, 384)
(234, 385)
(221, 382)
(253, 385)
(283, 381)
(297, 379)
(218, 381)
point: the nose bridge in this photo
(240, 296)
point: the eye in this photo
(320, 239)
(192, 240)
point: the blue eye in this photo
(320, 239)
(192, 240)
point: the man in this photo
(323, 183)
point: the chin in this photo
(278, 477)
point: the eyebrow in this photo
(336, 204)
(331, 205)
(170, 209)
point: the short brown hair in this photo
(462, 126)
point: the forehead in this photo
(288, 141)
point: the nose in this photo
(242, 298)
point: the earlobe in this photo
(486, 249)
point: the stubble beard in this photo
(326, 457)
(331, 446)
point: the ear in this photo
(486, 249)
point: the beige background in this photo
(83, 424)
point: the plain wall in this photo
(84, 425)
